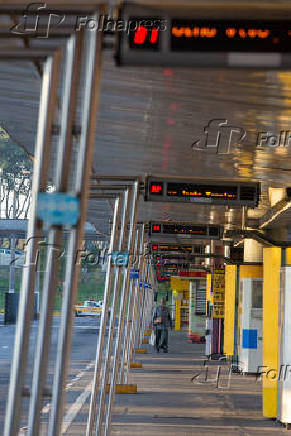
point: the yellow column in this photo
(178, 315)
(288, 256)
(229, 308)
(208, 288)
(179, 288)
(271, 299)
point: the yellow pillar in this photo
(179, 288)
(208, 288)
(288, 256)
(229, 308)
(178, 315)
(271, 299)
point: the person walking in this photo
(162, 321)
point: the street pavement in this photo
(85, 337)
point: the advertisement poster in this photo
(218, 293)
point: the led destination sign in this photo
(160, 248)
(230, 36)
(213, 35)
(223, 193)
(188, 38)
(174, 266)
(195, 231)
(178, 257)
(181, 190)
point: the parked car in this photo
(88, 308)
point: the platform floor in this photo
(168, 403)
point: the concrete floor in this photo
(168, 403)
(174, 395)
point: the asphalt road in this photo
(85, 336)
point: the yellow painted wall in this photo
(180, 288)
(250, 271)
(288, 256)
(271, 298)
(229, 308)
(179, 285)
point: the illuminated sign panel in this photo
(146, 35)
(156, 228)
(175, 248)
(166, 266)
(205, 192)
(188, 37)
(189, 190)
(156, 188)
(251, 36)
(184, 229)
(194, 231)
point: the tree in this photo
(15, 188)
(15, 179)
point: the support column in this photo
(229, 309)
(284, 346)
(271, 297)
(209, 321)
(217, 323)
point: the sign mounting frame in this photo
(228, 52)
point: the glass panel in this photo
(257, 294)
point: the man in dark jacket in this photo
(162, 321)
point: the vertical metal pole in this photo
(93, 50)
(124, 345)
(123, 301)
(107, 360)
(65, 146)
(145, 307)
(37, 289)
(12, 251)
(125, 340)
(130, 344)
(39, 183)
(150, 295)
(145, 293)
(154, 287)
(142, 296)
(150, 298)
(139, 295)
(135, 319)
(100, 346)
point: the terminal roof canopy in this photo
(150, 117)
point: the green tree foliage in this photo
(15, 176)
